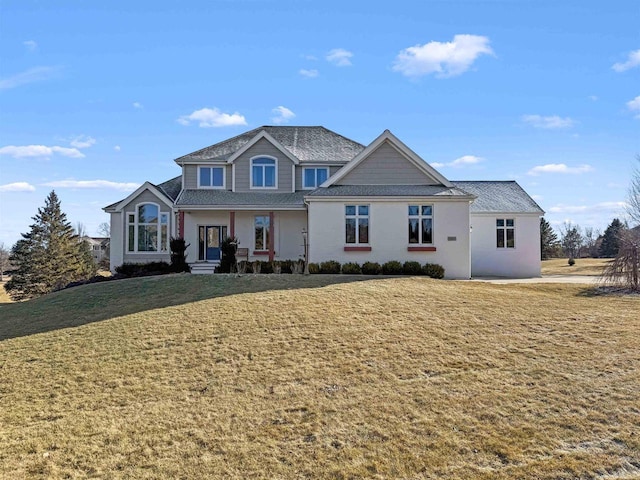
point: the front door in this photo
(211, 236)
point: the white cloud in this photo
(339, 57)
(212, 117)
(32, 75)
(550, 122)
(593, 98)
(17, 187)
(82, 141)
(634, 106)
(310, 57)
(117, 148)
(282, 115)
(463, 161)
(31, 45)
(559, 168)
(308, 73)
(138, 105)
(28, 151)
(444, 59)
(603, 206)
(128, 186)
(632, 61)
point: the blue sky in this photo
(97, 97)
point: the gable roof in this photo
(262, 135)
(499, 197)
(167, 191)
(396, 143)
(307, 144)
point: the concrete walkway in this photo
(588, 279)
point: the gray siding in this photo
(243, 167)
(146, 196)
(332, 170)
(386, 166)
(191, 176)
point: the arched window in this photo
(264, 172)
(148, 229)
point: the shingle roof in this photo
(226, 198)
(307, 144)
(171, 188)
(388, 191)
(499, 197)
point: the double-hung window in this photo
(261, 231)
(314, 177)
(263, 173)
(211, 177)
(505, 233)
(356, 224)
(421, 224)
(147, 229)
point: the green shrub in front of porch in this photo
(351, 268)
(330, 266)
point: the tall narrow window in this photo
(211, 177)
(505, 233)
(262, 232)
(263, 173)
(356, 224)
(421, 224)
(314, 177)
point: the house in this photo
(355, 203)
(99, 247)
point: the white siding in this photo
(116, 247)
(523, 261)
(388, 234)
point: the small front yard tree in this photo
(49, 256)
(571, 240)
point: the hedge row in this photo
(392, 267)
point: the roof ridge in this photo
(223, 142)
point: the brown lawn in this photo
(583, 266)
(188, 377)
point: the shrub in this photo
(143, 269)
(266, 267)
(256, 266)
(433, 270)
(371, 268)
(330, 266)
(228, 260)
(314, 268)
(392, 267)
(178, 256)
(351, 268)
(286, 266)
(276, 267)
(571, 262)
(412, 268)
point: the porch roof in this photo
(225, 198)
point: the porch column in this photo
(271, 232)
(232, 224)
(180, 224)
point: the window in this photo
(357, 224)
(505, 233)
(262, 232)
(420, 224)
(147, 229)
(314, 177)
(211, 177)
(263, 173)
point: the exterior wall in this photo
(520, 262)
(243, 168)
(386, 166)
(288, 225)
(332, 171)
(191, 176)
(141, 257)
(388, 231)
(116, 250)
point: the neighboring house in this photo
(99, 247)
(356, 203)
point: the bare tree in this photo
(4, 259)
(81, 230)
(571, 239)
(104, 230)
(633, 202)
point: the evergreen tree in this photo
(50, 256)
(572, 240)
(611, 240)
(549, 243)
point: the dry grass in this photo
(383, 378)
(583, 266)
(4, 297)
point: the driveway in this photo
(588, 279)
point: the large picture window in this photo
(147, 229)
(505, 233)
(314, 177)
(356, 224)
(211, 177)
(263, 173)
(421, 224)
(261, 227)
